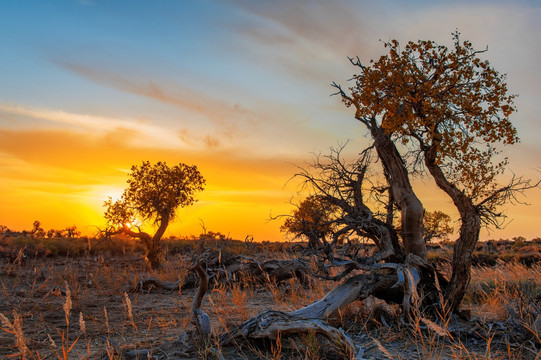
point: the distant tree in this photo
(436, 225)
(54, 233)
(154, 193)
(214, 235)
(311, 219)
(37, 231)
(71, 232)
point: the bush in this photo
(484, 259)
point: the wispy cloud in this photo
(132, 131)
(211, 122)
(227, 118)
(309, 39)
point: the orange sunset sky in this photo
(238, 88)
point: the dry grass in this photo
(83, 308)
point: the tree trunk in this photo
(314, 241)
(411, 208)
(462, 256)
(152, 243)
(469, 232)
(154, 251)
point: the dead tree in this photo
(342, 185)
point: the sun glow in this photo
(134, 224)
(112, 192)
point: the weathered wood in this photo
(270, 324)
(199, 317)
(356, 287)
(229, 269)
(311, 318)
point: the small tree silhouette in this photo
(154, 193)
(311, 219)
(436, 225)
(37, 230)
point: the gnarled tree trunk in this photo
(411, 207)
(152, 243)
(469, 233)
(154, 252)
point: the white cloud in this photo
(142, 133)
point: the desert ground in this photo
(101, 301)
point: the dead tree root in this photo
(388, 281)
(272, 324)
(312, 318)
(237, 268)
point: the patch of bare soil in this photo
(93, 308)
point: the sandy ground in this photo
(102, 292)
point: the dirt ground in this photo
(89, 308)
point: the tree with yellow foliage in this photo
(448, 110)
(436, 225)
(154, 193)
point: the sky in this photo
(241, 89)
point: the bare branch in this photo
(340, 92)
(508, 194)
(356, 62)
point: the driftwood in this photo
(389, 281)
(200, 318)
(312, 318)
(271, 324)
(221, 267)
(392, 282)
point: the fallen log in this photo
(356, 287)
(312, 318)
(234, 269)
(389, 281)
(271, 324)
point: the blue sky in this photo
(89, 87)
